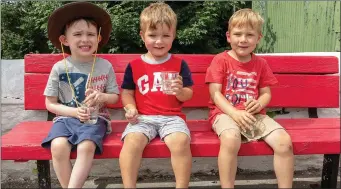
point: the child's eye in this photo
(166, 35)
(77, 34)
(151, 35)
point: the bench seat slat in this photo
(204, 144)
(323, 137)
(292, 91)
(193, 125)
(198, 63)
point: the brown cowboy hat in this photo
(71, 11)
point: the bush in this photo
(201, 26)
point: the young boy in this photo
(239, 86)
(80, 79)
(149, 111)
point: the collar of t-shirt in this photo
(150, 61)
(83, 64)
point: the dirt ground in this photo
(155, 177)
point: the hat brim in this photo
(72, 11)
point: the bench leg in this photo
(44, 178)
(330, 170)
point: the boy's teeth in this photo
(85, 47)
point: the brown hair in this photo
(89, 21)
(157, 13)
(246, 17)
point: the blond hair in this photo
(246, 17)
(157, 13)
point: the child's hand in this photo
(94, 97)
(243, 119)
(83, 114)
(131, 115)
(253, 106)
(177, 86)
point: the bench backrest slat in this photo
(304, 81)
(42, 63)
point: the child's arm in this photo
(128, 99)
(53, 106)
(182, 93)
(109, 96)
(129, 105)
(94, 96)
(267, 79)
(183, 84)
(254, 106)
(241, 117)
(128, 95)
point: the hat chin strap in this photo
(89, 81)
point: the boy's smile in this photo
(243, 41)
(85, 47)
(158, 41)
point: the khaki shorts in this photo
(263, 127)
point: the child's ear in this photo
(141, 35)
(259, 38)
(228, 37)
(63, 40)
(99, 38)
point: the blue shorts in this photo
(76, 131)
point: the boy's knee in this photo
(86, 147)
(230, 140)
(60, 147)
(178, 142)
(230, 134)
(135, 141)
(284, 144)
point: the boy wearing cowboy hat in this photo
(79, 29)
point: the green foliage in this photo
(271, 114)
(24, 27)
(201, 26)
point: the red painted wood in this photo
(198, 63)
(294, 91)
(309, 136)
(23, 146)
(30, 127)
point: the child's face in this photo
(243, 41)
(81, 37)
(158, 41)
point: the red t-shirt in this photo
(146, 80)
(240, 81)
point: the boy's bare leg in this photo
(230, 141)
(130, 158)
(81, 169)
(60, 150)
(181, 157)
(280, 142)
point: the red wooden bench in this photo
(305, 81)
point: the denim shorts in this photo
(76, 132)
(153, 125)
